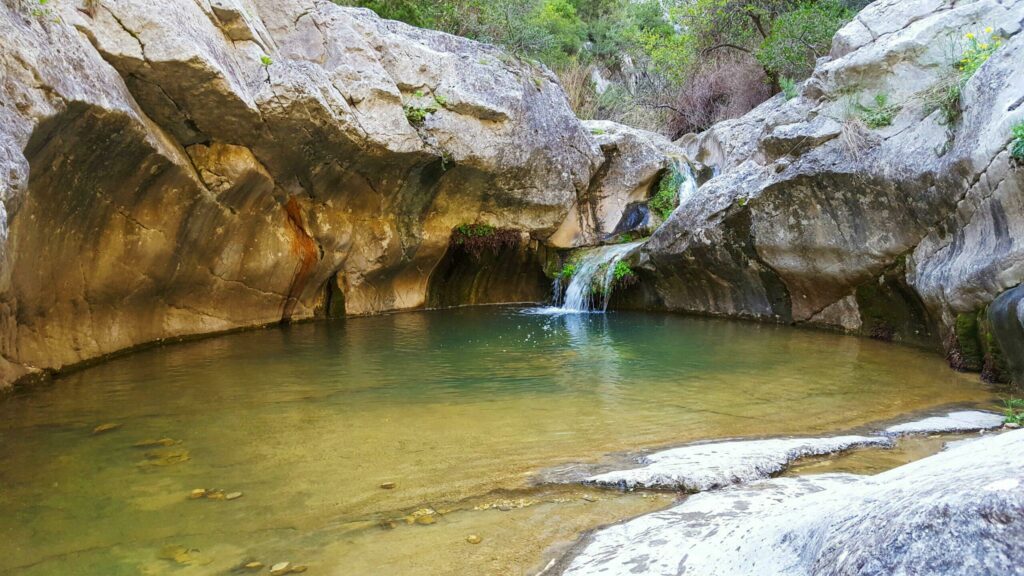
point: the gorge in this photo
(187, 169)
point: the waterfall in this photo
(590, 287)
(688, 183)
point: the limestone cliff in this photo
(178, 168)
(905, 231)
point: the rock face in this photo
(900, 232)
(169, 169)
(958, 512)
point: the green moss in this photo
(968, 343)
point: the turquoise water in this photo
(460, 409)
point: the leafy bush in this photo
(1017, 145)
(666, 198)
(476, 238)
(569, 270)
(800, 36)
(880, 114)
(622, 273)
(789, 87)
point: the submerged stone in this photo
(280, 568)
(153, 443)
(107, 427)
(388, 485)
(700, 467)
(474, 539)
(960, 512)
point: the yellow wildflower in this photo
(969, 35)
(984, 46)
(988, 30)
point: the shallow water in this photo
(460, 409)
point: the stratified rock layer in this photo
(960, 512)
(179, 168)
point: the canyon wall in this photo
(178, 168)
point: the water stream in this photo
(462, 410)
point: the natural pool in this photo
(461, 409)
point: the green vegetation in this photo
(880, 114)
(569, 270)
(1013, 409)
(666, 198)
(442, 101)
(945, 96)
(417, 115)
(266, 60)
(671, 65)
(789, 87)
(977, 52)
(1017, 145)
(800, 36)
(622, 273)
(42, 11)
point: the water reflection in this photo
(309, 420)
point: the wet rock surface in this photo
(701, 467)
(960, 421)
(958, 512)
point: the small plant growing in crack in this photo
(266, 60)
(1017, 145)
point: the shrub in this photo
(800, 36)
(622, 274)
(569, 270)
(789, 87)
(880, 114)
(1017, 145)
(476, 238)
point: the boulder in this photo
(958, 512)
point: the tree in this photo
(799, 37)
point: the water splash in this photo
(590, 288)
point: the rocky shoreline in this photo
(741, 521)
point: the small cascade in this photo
(687, 181)
(590, 288)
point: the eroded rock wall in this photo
(179, 168)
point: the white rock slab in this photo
(700, 467)
(963, 421)
(960, 512)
